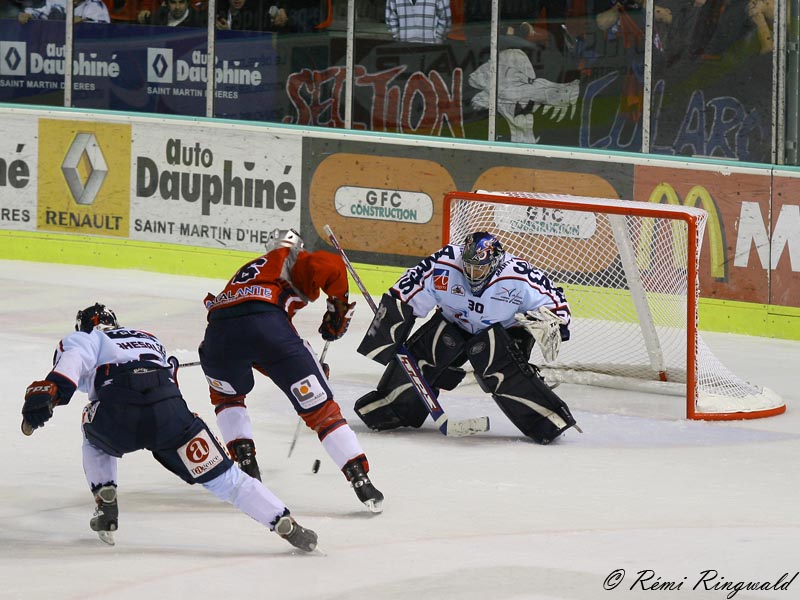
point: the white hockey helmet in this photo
(284, 238)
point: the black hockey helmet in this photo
(95, 316)
(481, 256)
(284, 238)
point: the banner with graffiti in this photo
(576, 83)
(712, 81)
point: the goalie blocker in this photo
(499, 358)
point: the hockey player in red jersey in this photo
(135, 404)
(250, 327)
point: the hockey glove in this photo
(40, 398)
(545, 327)
(337, 319)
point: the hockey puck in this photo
(315, 466)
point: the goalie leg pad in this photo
(503, 371)
(390, 327)
(394, 404)
(439, 348)
(399, 408)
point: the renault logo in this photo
(12, 59)
(84, 168)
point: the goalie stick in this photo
(412, 370)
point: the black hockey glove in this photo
(40, 398)
(337, 319)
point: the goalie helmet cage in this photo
(630, 273)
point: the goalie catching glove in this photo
(337, 319)
(545, 327)
(40, 398)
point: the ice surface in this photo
(485, 517)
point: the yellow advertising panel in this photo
(84, 177)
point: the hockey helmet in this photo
(481, 256)
(284, 238)
(95, 316)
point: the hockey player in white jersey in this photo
(490, 308)
(135, 404)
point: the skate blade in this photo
(106, 537)
(374, 507)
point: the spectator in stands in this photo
(251, 15)
(10, 9)
(53, 10)
(128, 11)
(418, 21)
(175, 13)
(90, 11)
(546, 21)
(309, 16)
(762, 14)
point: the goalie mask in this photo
(481, 257)
(95, 316)
(284, 238)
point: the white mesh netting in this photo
(623, 266)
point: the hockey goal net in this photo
(630, 273)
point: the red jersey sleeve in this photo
(320, 270)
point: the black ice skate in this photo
(295, 534)
(244, 453)
(104, 519)
(366, 492)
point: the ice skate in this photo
(244, 453)
(104, 519)
(297, 535)
(367, 493)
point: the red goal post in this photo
(630, 272)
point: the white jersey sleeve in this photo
(438, 281)
(92, 11)
(79, 354)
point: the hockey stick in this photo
(412, 370)
(300, 419)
